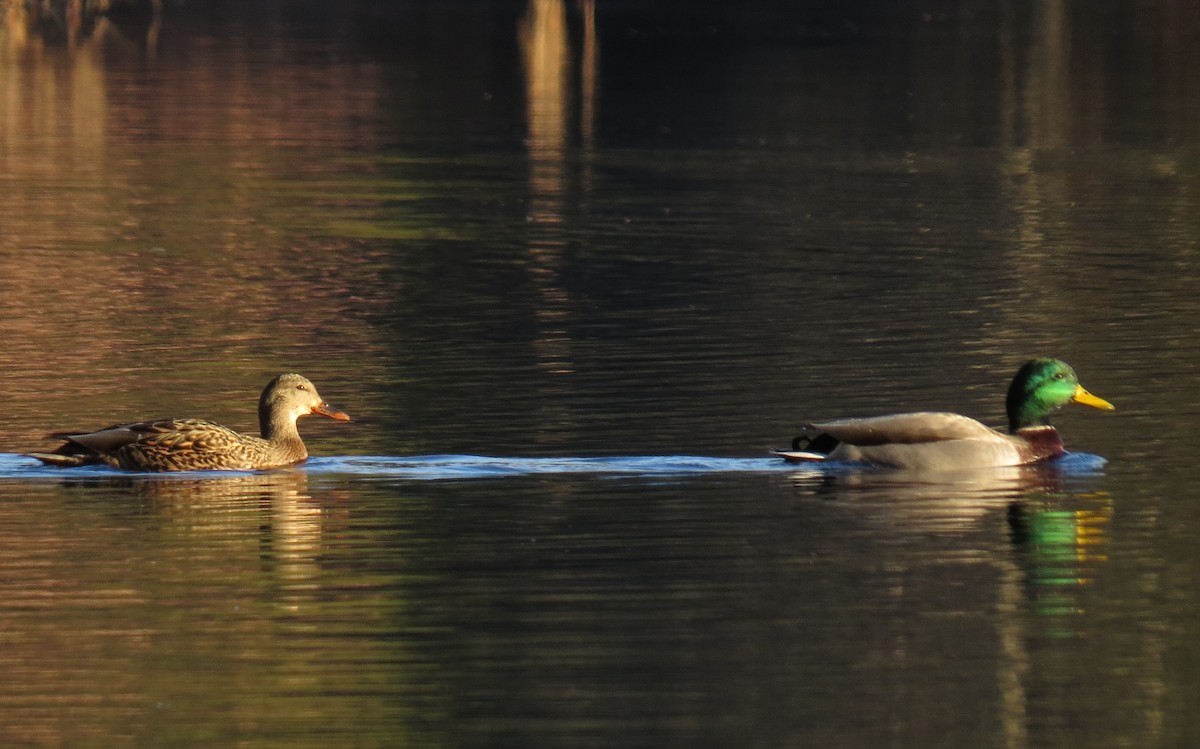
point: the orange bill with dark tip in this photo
(326, 410)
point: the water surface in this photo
(574, 268)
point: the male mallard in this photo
(948, 441)
(197, 444)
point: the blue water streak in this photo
(433, 467)
(478, 466)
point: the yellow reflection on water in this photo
(544, 42)
(545, 38)
(148, 245)
(590, 74)
(101, 601)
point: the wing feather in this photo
(904, 429)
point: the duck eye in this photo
(301, 387)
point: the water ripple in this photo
(432, 467)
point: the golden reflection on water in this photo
(99, 623)
(138, 251)
(589, 79)
(544, 42)
(544, 35)
(54, 134)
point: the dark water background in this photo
(573, 267)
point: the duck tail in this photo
(808, 449)
(62, 461)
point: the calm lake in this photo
(574, 267)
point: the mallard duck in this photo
(198, 444)
(949, 441)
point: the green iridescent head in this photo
(1041, 387)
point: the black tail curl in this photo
(821, 443)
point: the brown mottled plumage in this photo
(198, 444)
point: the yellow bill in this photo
(1084, 397)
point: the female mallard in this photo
(199, 445)
(948, 441)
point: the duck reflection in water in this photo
(1058, 535)
(273, 521)
(1060, 545)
